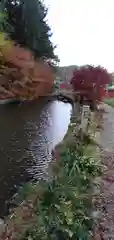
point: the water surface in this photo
(28, 134)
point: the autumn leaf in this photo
(21, 75)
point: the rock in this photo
(6, 101)
(96, 214)
(2, 227)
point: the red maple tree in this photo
(89, 80)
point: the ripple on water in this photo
(28, 135)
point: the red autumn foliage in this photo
(23, 77)
(88, 80)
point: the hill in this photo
(65, 73)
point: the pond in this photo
(28, 134)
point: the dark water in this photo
(28, 134)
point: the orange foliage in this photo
(21, 76)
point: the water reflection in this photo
(54, 125)
(28, 135)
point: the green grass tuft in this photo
(109, 101)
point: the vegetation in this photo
(109, 101)
(57, 83)
(27, 59)
(63, 205)
(89, 80)
(28, 26)
(22, 77)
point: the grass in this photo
(109, 101)
(64, 210)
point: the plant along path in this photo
(59, 209)
(106, 141)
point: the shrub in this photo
(89, 81)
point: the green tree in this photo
(30, 29)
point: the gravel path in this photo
(107, 134)
(106, 140)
